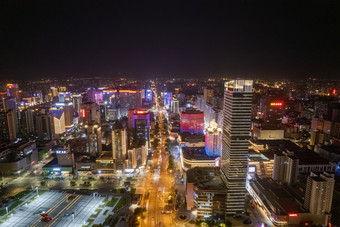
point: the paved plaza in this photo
(64, 209)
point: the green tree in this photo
(156, 128)
(171, 165)
(138, 215)
(155, 143)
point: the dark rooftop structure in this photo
(195, 137)
(306, 157)
(192, 111)
(196, 153)
(276, 196)
(332, 149)
(206, 178)
(277, 144)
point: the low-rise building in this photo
(18, 158)
(192, 157)
(206, 192)
(268, 133)
(283, 206)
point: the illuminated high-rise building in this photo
(103, 111)
(45, 126)
(8, 126)
(77, 101)
(93, 138)
(213, 140)
(235, 142)
(9, 103)
(13, 91)
(55, 92)
(271, 110)
(90, 112)
(192, 121)
(27, 123)
(119, 146)
(167, 99)
(175, 106)
(10, 106)
(129, 99)
(94, 96)
(319, 193)
(208, 95)
(141, 125)
(68, 110)
(58, 119)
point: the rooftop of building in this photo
(331, 148)
(282, 144)
(17, 145)
(196, 153)
(105, 155)
(191, 111)
(281, 199)
(188, 137)
(306, 157)
(269, 127)
(54, 163)
(85, 158)
(206, 178)
(88, 103)
(322, 177)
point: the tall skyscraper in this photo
(10, 106)
(285, 168)
(94, 96)
(90, 112)
(175, 106)
(319, 193)
(13, 90)
(9, 103)
(119, 142)
(167, 98)
(8, 126)
(235, 142)
(68, 110)
(119, 146)
(93, 138)
(45, 126)
(27, 123)
(103, 111)
(77, 100)
(141, 125)
(59, 119)
(208, 95)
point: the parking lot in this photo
(64, 209)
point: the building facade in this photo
(235, 142)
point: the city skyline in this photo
(169, 113)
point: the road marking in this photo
(55, 218)
(50, 210)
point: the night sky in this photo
(144, 39)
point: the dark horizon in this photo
(198, 39)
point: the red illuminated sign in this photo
(334, 92)
(292, 215)
(140, 112)
(276, 104)
(83, 113)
